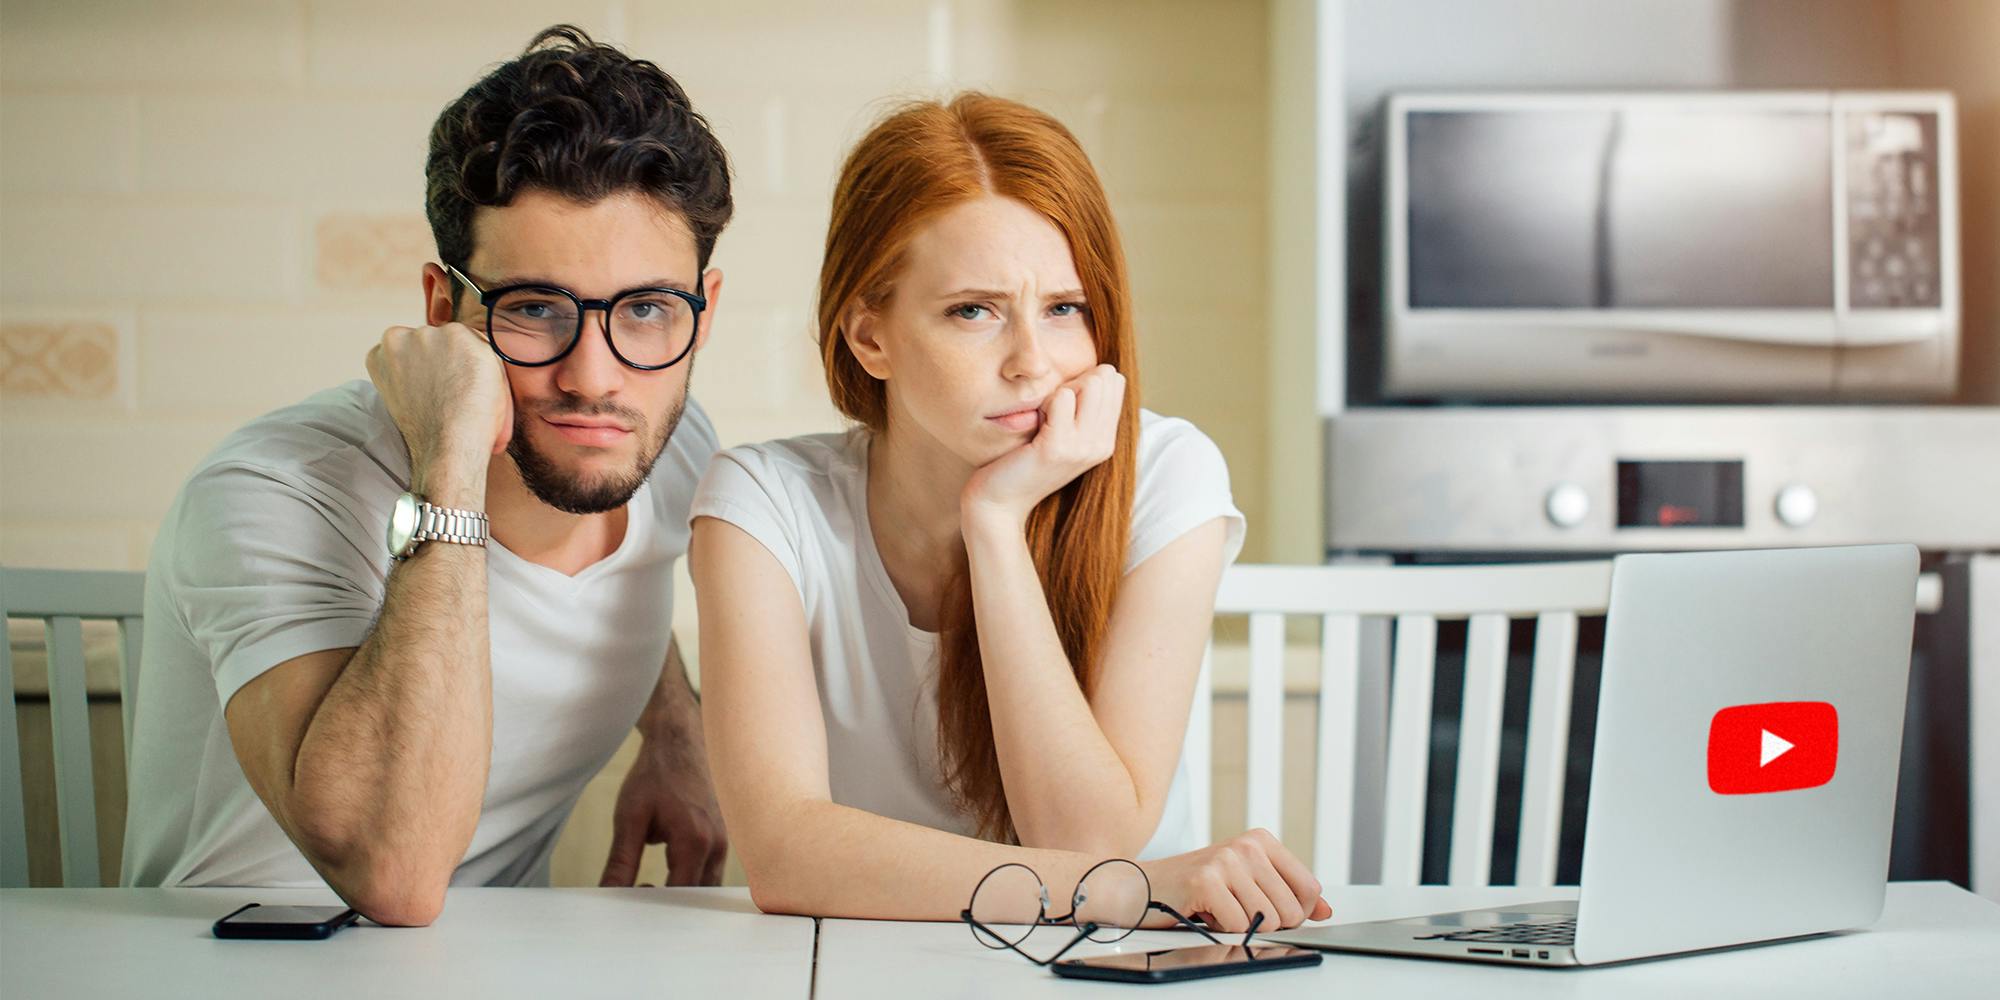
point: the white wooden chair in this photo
(62, 599)
(1351, 756)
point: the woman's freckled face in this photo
(986, 321)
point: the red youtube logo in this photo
(1777, 746)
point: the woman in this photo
(966, 633)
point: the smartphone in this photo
(1171, 965)
(253, 921)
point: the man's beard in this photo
(565, 492)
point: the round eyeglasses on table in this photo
(534, 325)
(1110, 902)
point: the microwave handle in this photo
(1885, 327)
(1801, 328)
(1804, 328)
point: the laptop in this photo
(1749, 728)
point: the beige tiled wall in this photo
(211, 209)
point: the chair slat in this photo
(13, 816)
(1339, 717)
(1199, 746)
(1267, 722)
(69, 724)
(1409, 749)
(1476, 788)
(1371, 748)
(131, 633)
(1549, 698)
(50, 593)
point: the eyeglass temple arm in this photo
(1185, 922)
(1084, 933)
(459, 276)
(1255, 923)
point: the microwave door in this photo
(1721, 209)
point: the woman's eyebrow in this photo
(977, 293)
(990, 293)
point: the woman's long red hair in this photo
(924, 159)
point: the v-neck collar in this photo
(871, 557)
(638, 524)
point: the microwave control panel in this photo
(1893, 255)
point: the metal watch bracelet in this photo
(446, 524)
(415, 521)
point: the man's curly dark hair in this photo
(580, 119)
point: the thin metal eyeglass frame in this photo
(1084, 930)
(583, 305)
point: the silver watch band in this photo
(446, 524)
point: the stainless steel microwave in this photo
(1671, 246)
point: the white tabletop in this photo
(490, 943)
(1934, 940)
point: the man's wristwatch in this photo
(416, 521)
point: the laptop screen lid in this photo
(1748, 733)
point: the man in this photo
(343, 678)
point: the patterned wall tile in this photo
(67, 360)
(361, 251)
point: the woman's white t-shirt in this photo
(806, 500)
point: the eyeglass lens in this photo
(533, 325)
(1008, 904)
(1115, 896)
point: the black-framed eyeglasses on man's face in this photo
(535, 325)
(1110, 902)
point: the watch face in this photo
(402, 524)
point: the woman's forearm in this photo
(822, 859)
(1067, 786)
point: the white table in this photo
(1934, 941)
(490, 943)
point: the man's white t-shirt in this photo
(806, 500)
(277, 547)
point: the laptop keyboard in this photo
(1561, 931)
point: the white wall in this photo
(212, 208)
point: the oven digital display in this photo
(1680, 494)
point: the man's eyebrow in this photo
(532, 279)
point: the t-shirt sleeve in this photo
(743, 488)
(678, 472)
(261, 574)
(700, 442)
(1183, 484)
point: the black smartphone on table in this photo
(1170, 965)
(256, 922)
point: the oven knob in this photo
(1797, 505)
(1567, 505)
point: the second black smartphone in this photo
(1199, 962)
(256, 922)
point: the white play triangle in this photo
(1774, 748)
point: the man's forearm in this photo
(388, 780)
(673, 712)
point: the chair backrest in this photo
(1344, 599)
(62, 599)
